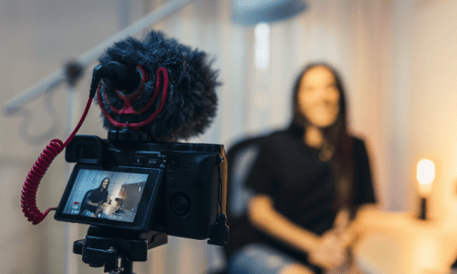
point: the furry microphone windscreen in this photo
(190, 101)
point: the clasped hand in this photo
(332, 248)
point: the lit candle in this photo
(425, 175)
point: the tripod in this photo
(104, 247)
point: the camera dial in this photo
(180, 205)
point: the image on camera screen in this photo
(106, 195)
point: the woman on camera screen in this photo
(307, 183)
(93, 200)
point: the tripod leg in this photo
(127, 265)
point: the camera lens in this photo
(180, 205)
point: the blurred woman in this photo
(93, 200)
(308, 182)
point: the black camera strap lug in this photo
(219, 231)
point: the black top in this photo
(95, 196)
(301, 185)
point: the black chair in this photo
(240, 158)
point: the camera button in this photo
(153, 161)
(138, 160)
(180, 205)
(172, 163)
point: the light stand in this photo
(58, 77)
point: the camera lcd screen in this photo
(106, 195)
(122, 197)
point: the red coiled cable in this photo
(29, 190)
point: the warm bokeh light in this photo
(425, 175)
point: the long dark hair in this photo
(336, 136)
(100, 187)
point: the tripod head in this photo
(104, 247)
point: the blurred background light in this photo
(262, 45)
(425, 176)
(251, 12)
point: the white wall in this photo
(433, 100)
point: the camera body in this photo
(183, 194)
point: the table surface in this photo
(401, 243)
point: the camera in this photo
(174, 188)
(138, 186)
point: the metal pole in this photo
(58, 76)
